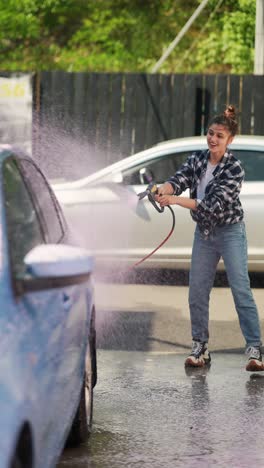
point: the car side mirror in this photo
(54, 265)
(117, 178)
(145, 175)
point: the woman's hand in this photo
(164, 194)
(165, 200)
(185, 202)
(165, 189)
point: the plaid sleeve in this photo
(183, 178)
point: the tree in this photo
(125, 35)
(33, 32)
(229, 45)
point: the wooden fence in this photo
(120, 114)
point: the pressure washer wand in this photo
(150, 192)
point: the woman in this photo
(214, 177)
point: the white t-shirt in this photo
(208, 175)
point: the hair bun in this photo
(227, 118)
(230, 112)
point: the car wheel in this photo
(82, 424)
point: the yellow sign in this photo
(13, 90)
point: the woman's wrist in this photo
(169, 188)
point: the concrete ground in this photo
(151, 412)
(156, 318)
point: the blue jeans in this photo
(230, 243)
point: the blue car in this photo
(47, 322)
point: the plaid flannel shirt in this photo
(221, 204)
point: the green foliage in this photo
(125, 35)
(33, 32)
(229, 46)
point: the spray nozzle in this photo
(150, 191)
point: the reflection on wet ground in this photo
(150, 413)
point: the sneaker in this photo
(199, 356)
(254, 359)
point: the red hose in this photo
(160, 245)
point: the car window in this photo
(160, 168)
(252, 162)
(23, 226)
(165, 166)
(45, 201)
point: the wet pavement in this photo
(150, 413)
